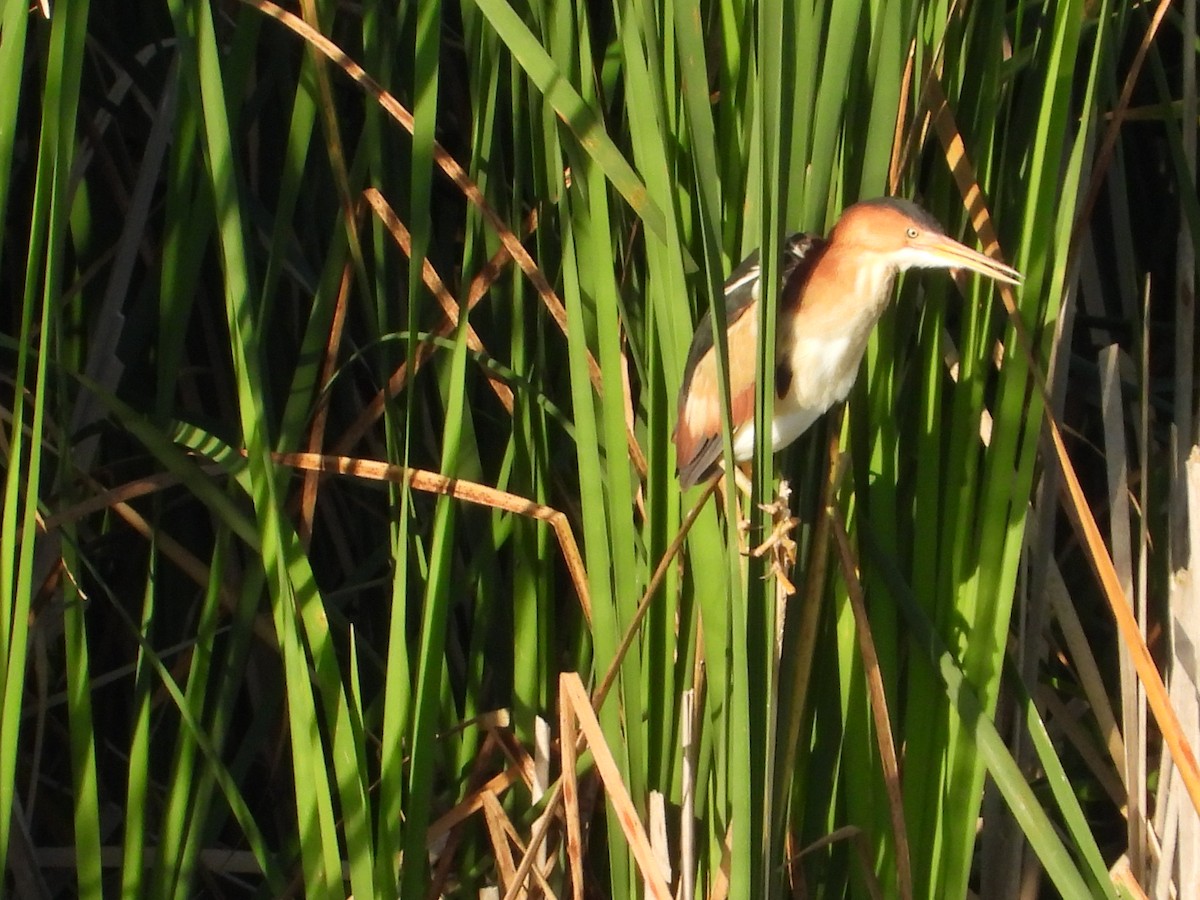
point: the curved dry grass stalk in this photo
(479, 494)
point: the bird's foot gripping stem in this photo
(779, 544)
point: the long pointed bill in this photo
(936, 251)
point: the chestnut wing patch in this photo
(698, 432)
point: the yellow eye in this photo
(912, 233)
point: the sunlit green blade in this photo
(574, 111)
(137, 793)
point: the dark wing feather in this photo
(698, 452)
(800, 253)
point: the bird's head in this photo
(897, 235)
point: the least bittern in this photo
(833, 291)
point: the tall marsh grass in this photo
(341, 550)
